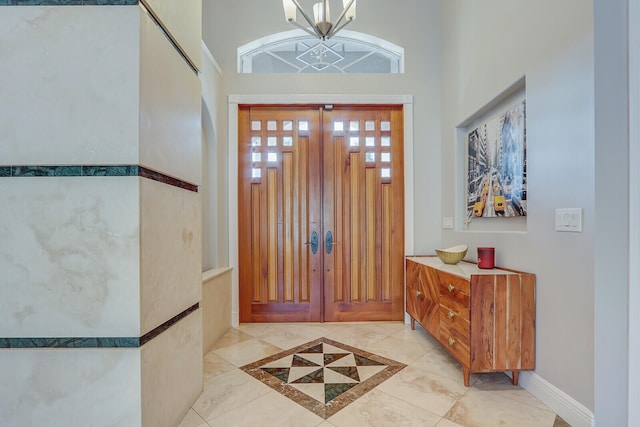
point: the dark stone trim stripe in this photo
(166, 325)
(168, 35)
(69, 2)
(156, 176)
(94, 170)
(93, 342)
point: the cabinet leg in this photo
(514, 377)
(413, 324)
(466, 373)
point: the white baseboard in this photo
(572, 411)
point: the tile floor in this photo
(427, 392)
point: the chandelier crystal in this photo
(321, 25)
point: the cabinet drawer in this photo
(449, 320)
(450, 283)
(455, 341)
(454, 294)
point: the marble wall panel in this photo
(69, 257)
(171, 261)
(69, 86)
(45, 387)
(172, 372)
(216, 306)
(170, 108)
(183, 20)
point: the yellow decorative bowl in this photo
(452, 255)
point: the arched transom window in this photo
(297, 52)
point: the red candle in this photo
(486, 257)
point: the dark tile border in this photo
(93, 170)
(69, 2)
(323, 410)
(95, 342)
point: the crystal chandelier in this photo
(321, 25)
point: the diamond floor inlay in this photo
(323, 375)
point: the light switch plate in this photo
(447, 222)
(569, 219)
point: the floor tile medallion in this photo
(323, 375)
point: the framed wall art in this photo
(497, 165)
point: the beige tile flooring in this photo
(428, 392)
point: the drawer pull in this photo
(418, 294)
(451, 287)
(452, 341)
(451, 315)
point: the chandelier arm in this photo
(335, 29)
(307, 30)
(344, 12)
(316, 32)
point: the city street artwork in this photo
(497, 166)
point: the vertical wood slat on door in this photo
(370, 233)
(340, 250)
(272, 217)
(386, 242)
(355, 227)
(301, 185)
(255, 242)
(287, 182)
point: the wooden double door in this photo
(321, 213)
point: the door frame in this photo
(235, 100)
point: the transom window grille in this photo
(297, 52)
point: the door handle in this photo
(313, 242)
(328, 242)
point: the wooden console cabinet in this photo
(484, 318)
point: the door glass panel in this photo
(338, 126)
(272, 125)
(385, 157)
(370, 125)
(354, 126)
(272, 157)
(385, 173)
(370, 157)
(272, 141)
(256, 173)
(256, 157)
(256, 125)
(303, 125)
(385, 141)
(287, 141)
(256, 141)
(287, 125)
(370, 141)
(385, 125)
(354, 141)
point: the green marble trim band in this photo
(92, 342)
(93, 170)
(69, 2)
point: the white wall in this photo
(612, 221)
(634, 200)
(412, 24)
(214, 189)
(486, 47)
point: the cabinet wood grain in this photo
(484, 318)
